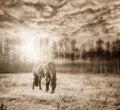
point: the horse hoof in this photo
(52, 92)
(46, 90)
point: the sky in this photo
(79, 19)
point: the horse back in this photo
(49, 70)
(34, 70)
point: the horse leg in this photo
(34, 82)
(40, 83)
(47, 84)
(33, 85)
(53, 86)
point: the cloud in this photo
(74, 18)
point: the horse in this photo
(47, 71)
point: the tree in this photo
(73, 48)
(99, 53)
(116, 56)
(107, 56)
(60, 53)
(54, 50)
(91, 54)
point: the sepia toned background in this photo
(82, 39)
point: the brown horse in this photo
(46, 71)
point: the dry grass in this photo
(73, 92)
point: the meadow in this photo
(74, 91)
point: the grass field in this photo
(73, 92)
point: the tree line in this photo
(97, 56)
(91, 56)
(104, 56)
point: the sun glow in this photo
(29, 52)
(35, 44)
(33, 47)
